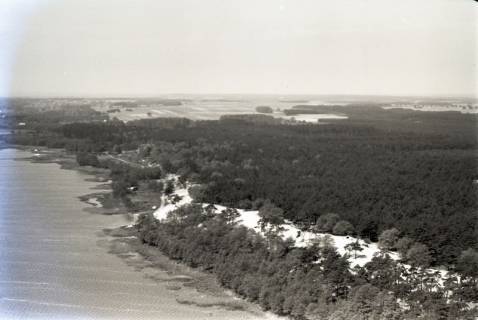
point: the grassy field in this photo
(199, 109)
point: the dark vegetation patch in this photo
(234, 306)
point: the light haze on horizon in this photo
(150, 48)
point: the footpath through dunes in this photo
(54, 260)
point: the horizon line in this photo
(149, 96)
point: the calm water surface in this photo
(51, 266)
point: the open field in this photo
(202, 107)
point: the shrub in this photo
(419, 255)
(343, 228)
(197, 192)
(403, 245)
(468, 263)
(169, 189)
(327, 222)
(87, 159)
(388, 239)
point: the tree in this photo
(210, 210)
(146, 226)
(336, 271)
(467, 263)
(270, 215)
(467, 266)
(169, 189)
(343, 228)
(354, 247)
(197, 192)
(382, 271)
(326, 222)
(324, 242)
(120, 188)
(419, 255)
(87, 159)
(229, 215)
(388, 239)
(403, 245)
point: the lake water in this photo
(52, 265)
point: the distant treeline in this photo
(264, 109)
(148, 101)
(251, 118)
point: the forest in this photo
(406, 179)
(314, 282)
(416, 173)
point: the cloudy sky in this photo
(153, 47)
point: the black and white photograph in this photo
(238, 160)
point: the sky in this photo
(156, 47)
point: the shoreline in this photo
(191, 286)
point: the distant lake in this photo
(51, 263)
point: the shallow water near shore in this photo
(54, 260)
